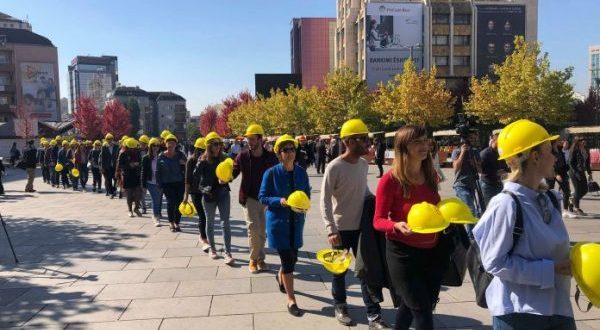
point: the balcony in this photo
(7, 67)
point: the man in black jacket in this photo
(108, 164)
(320, 155)
(30, 159)
(380, 155)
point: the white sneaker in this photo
(205, 246)
(213, 254)
(229, 259)
(130, 214)
(568, 215)
(156, 221)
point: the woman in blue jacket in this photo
(284, 226)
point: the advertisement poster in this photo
(394, 33)
(38, 84)
(497, 27)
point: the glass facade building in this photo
(93, 77)
(594, 66)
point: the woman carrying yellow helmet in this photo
(169, 177)
(130, 168)
(523, 240)
(405, 211)
(149, 168)
(192, 180)
(284, 190)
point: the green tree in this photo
(414, 98)
(526, 88)
(134, 114)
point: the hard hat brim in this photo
(468, 221)
(430, 230)
(551, 138)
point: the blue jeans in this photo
(489, 190)
(467, 195)
(156, 196)
(349, 240)
(516, 321)
(210, 208)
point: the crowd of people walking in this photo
(531, 280)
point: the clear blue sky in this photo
(207, 50)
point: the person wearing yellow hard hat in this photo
(64, 161)
(41, 157)
(148, 178)
(170, 178)
(579, 164)
(51, 158)
(416, 257)
(108, 164)
(130, 172)
(252, 164)
(522, 237)
(215, 195)
(94, 160)
(30, 163)
(284, 226)
(192, 181)
(144, 140)
(343, 192)
(73, 164)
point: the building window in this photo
(462, 40)
(461, 60)
(441, 19)
(439, 40)
(440, 60)
(462, 19)
(4, 58)
(3, 100)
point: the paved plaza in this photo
(84, 264)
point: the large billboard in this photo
(38, 85)
(497, 27)
(393, 33)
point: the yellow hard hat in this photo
(105, 144)
(299, 201)
(200, 143)
(170, 137)
(425, 218)
(58, 138)
(334, 260)
(154, 141)
(53, 143)
(254, 129)
(224, 170)
(521, 136)
(282, 139)
(58, 168)
(75, 173)
(212, 136)
(124, 137)
(144, 139)
(74, 143)
(97, 143)
(131, 143)
(45, 143)
(353, 127)
(456, 211)
(186, 208)
(108, 136)
(65, 143)
(586, 269)
(165, 133)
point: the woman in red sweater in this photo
(416, 261)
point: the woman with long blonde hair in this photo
(416, 261)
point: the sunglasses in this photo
(289, 149)
(364, 139)
(546, 213)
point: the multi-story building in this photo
(171, 113)
(93, 77)
(146, 105)
(312, 48)
(462, 38)
(594, 66)
(29, 84)
(9, 22)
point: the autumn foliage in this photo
(87, 119)
(115, 119)
(208, 120)
(24, 123)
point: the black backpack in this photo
(479, 277)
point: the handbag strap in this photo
(577, 296)
(518, 228)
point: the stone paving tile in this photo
(137, 291)
(301, 283)
(454, 315)
(213, 287)
(55, 295)
(595, 325)
(185, 251)
(78, 312)
(92, 265)
(119, 325)
(9, 295)
(248, 303)
(226, 272)
(167, 307)
(114, 277)
(180, 262)
(182, 274)
(137, 253)
(231, 322)
(51, 278)
(171, 244)
(283, 320)
(17, 315)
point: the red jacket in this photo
(392, 207)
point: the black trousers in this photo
(97, 178)
(288, 258)
(320, 165)
(379, 163)
(581, 187)
(45, 173)
(84, 173)
(416, 275)
(64, 177)
(197, 200)
(109, 174)
(174, 193)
